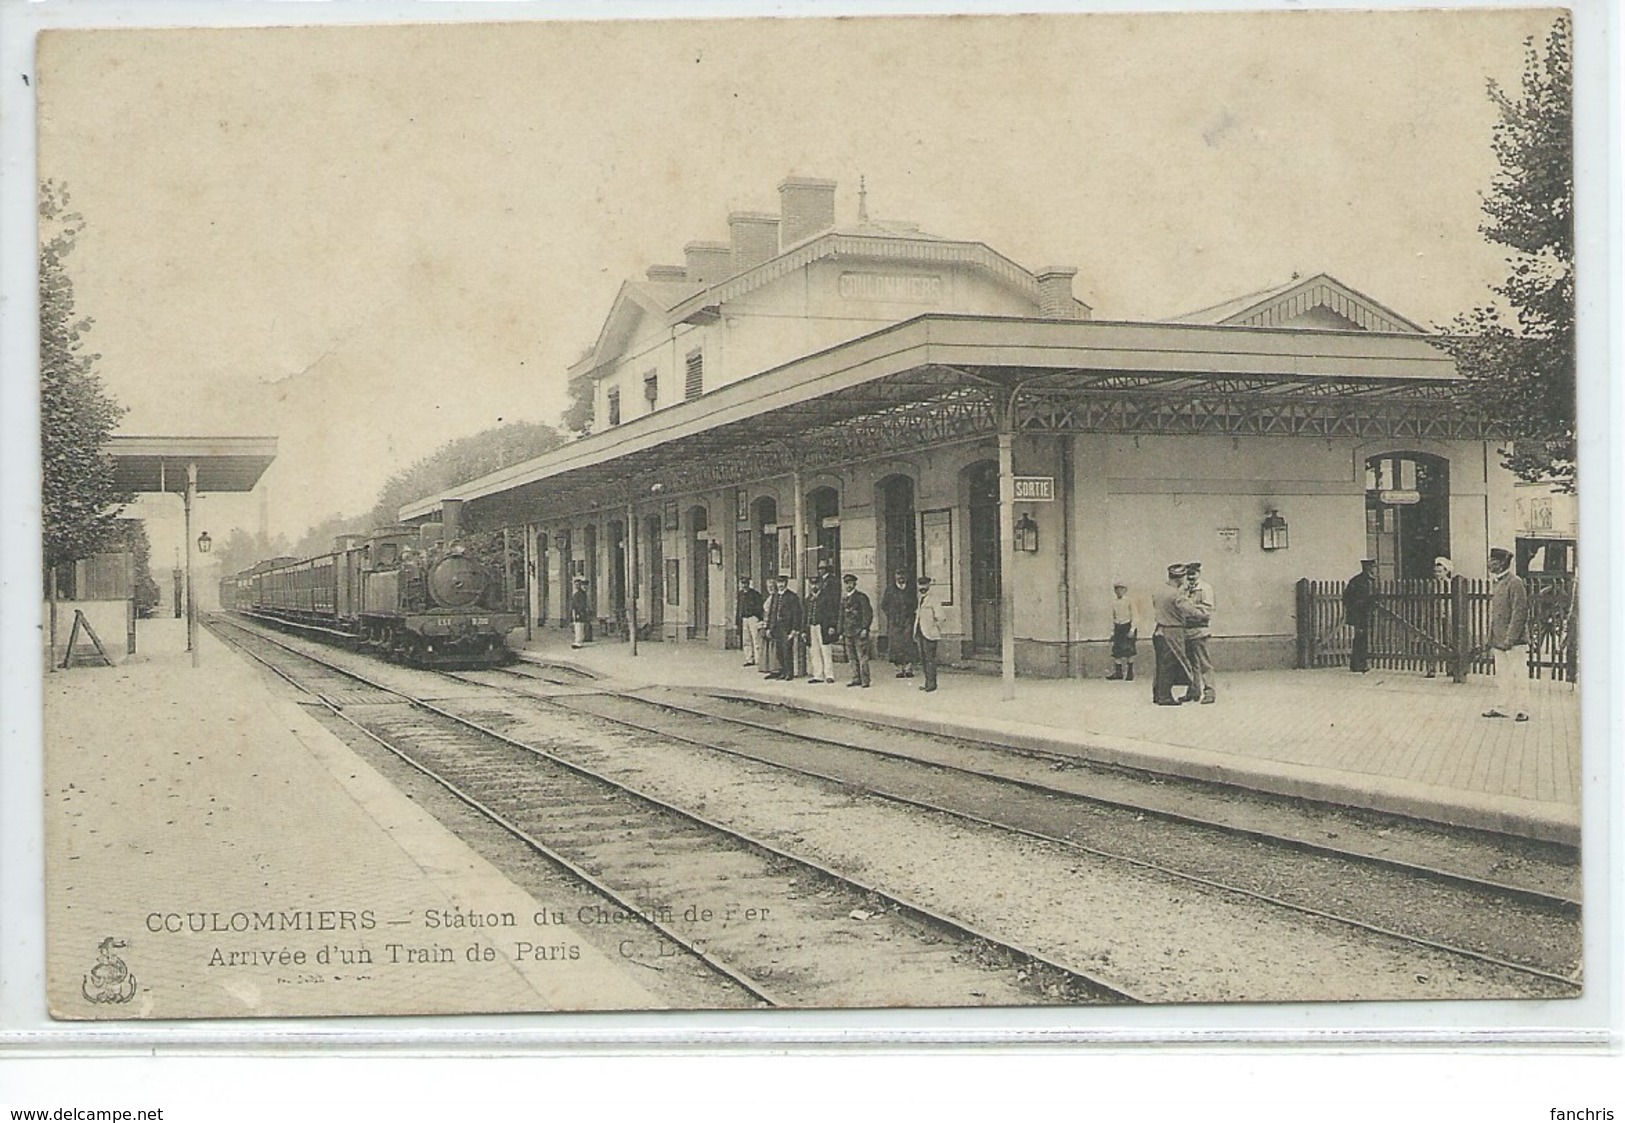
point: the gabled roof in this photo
(636, 299)
(868, 238)
(1281, 305)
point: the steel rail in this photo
(1088, 981)
(750, 986)
(1140, 863)
(1567, 906)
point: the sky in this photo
(367, 241)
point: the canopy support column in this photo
(191, 599)
(632, 576)
(1007, 558)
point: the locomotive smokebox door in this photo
(457, 582)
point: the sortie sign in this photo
(1035, 489)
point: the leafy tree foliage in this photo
(81, 504)
(1518, 351)
(464, 459)
(577, 417)
(132, 534)
(453, 463)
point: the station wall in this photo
(1124, 509)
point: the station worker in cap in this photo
(1359, 606)
(785, 620)
(1168, 637)
(823, 625)
(1509, 638)
(1197, 608)
(748, 619)
(928, 631)
(581, 613)
(857, 618)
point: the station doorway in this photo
(765, 516)
(656, 566)
(982, 479)
(617, 574)
(699, 568)
(1407, 513)
(825, 505)
(897, 530)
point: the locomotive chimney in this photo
(451, 520)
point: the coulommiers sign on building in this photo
(914, 288)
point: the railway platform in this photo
(1386, 741)
(245, 862)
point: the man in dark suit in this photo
(1359, 605)
(857, 617)
(785, 618)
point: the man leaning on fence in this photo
(1509, 638)
(1359, 605)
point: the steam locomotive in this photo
(399, 591)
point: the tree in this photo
(132, 535)
(1517, 352)
(461, 460)
(81, 505)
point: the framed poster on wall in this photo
(937, 551)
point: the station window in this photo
(651, 388)
(615, 406)
(694, 375)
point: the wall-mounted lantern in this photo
(1026, 535)
(1272, 535)
(204, 542)
(716, 554)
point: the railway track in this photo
(1521, 927)
(779, 927)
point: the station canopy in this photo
(940, 378)
(154, 464)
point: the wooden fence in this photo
(1437, 627)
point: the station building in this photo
(869, 398)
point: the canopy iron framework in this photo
(934, 405)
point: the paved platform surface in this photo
(180, 798)
(1387, 740)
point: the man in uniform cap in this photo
(1359, 604)
(1509, 638)
(1197, 608)
(785, 620)
(857, 617)
(1168, 637)
(580, 613)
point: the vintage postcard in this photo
(1026, 512)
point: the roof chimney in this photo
(1055, 293)
(708, 262)
(806, 206)
(667, 274)
(755, 238)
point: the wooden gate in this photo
(1438, 627)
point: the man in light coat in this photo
(1509, 638)
(928, 632)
